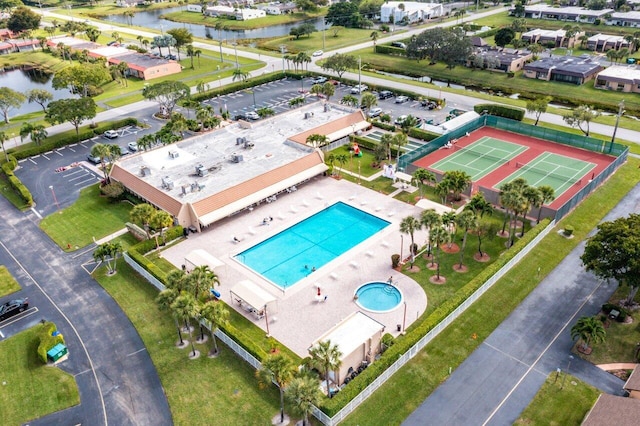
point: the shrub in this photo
(568, 230)
(500, 111)
(608, 307)
(384, 126)
(414, 132)
(395, 260)
(47, 340)
(622, 316)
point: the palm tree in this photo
(317, 140)
(588, 329)
(316, 89)
(439, 236)
(276, 368)
(303, 59)
(325, 356)
(430, 219)
(185, 307)
(479, 205)
(164, 300)
(387, 141)
(548, 195)
(103, 151)
(368, 100)
(328, 90)
(349, 100)
(534, 199)
(177, 280)
(216, 314)
(374, 36)
(442, 190)
(449, 221)
(201, 280)
(409, 225)
(399, 140)
(303, 393)
(420, 176)
(465, 220)
(457, 181)
(240, 75)
(342, 160)
(141, 213)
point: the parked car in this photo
(400, 120)
(428, 104)
(133, 146)
(401, 99)
(359, 88)
(110, 134)
(252, 115)
(318, 53)
(374, 112)
(94, 159)
(319, 80)
(385, 94)
(13, 307)
(399, 44)
(124, 151)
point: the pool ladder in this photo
(389, 289)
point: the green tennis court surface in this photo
(480, 158)
(554, 170)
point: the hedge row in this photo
(47, 341)
(500, 111)
(403, 344)
(424, 135)
(390, 50)
(384, 126)
(59, 141)
(16, 184)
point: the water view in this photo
(151, 18)
(23, 80)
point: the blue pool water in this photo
(378, 297)
(290, 255)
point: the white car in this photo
(319, 80)
(252, 115)
(359, 88)
(318, 53)
(133, 146)
(374, 112)
(402, 99)
(110, 134)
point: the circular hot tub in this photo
(378, 296)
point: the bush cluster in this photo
(46, 340)
(501, 111)
(403, 344)
(424, 135)
(390, 50)
(16, 183)
(138, 251)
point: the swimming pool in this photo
(292, 254)
(378, 297)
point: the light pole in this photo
(404, 318)
(360, 76)
(615, 129)
(235, 47)
(54, 196)
(324, 29)
(564, 379)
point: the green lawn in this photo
(8, 284)
(346, 37)
(558, 405)
(92, 216)
(29, 388)
(416, 380)
(220, 390)
(354, 163)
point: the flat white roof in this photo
(606, 37)
(110, 51)
(410, 5)
(569, 10)
(629, 73)
(545, 33)
(351, 332)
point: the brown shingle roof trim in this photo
(146, 191)
(235, 193)
(633, 382)
(332, 127)
(614, 410)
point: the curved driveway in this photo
(117, 380)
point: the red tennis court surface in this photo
(536, 147)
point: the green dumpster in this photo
(57, 352)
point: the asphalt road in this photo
(496, 383)
(117, 380)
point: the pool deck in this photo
(300, 318)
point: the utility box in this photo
(57, 352)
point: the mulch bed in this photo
(413, 269)
(450, 248)
(434, 280)
(462, 269)
(484, 258)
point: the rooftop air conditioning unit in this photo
(201, 171)
(239, 141)
(236, 158)
(167, 182)
(174, 154)
(327, 107)
(306, 115)
(145, 171)
(184, 189)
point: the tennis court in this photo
(557, 171)
(480, 158)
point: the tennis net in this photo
(547, 173)
(479, 154)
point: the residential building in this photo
(130, 3)
(627, 19)
(196, 8)
(567, 69)
(615, 410)
(279, 8)
(246, 14)
(555, 38)
(604, 42)
(240, 14)
(633, 384)
(505, 60)
(410, 12)
(570, 14)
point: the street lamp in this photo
(615, 129)
(54, 196)
(566, 372)
(324, 29)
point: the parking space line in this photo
(31, 159)
(1, 335)
(36, 212)
(82, 176)
(86, 180)
(75, 172)
(18, 317)
(57, 152)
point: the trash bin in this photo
(399, 327)
(57, 352)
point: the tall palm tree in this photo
(240, 75)
(374, 36)
(449, 221)
(185, 307)
(325, 356)
(141, 214)
(479, 205)
(216, 314)
(328, 90)
(439, 237)
(303, 393)
(534, 199)
(588, 329)
(387, 141)
(548, 195)
(342, 160)
(430, 219)
(465, 220)
(409, 225)
(399, 140)
(201, 279)
(457, 181)
(103, 151)
(164, 300)
(276, 368)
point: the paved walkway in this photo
(618, 366)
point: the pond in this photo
(151, 19)
(26, 79)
